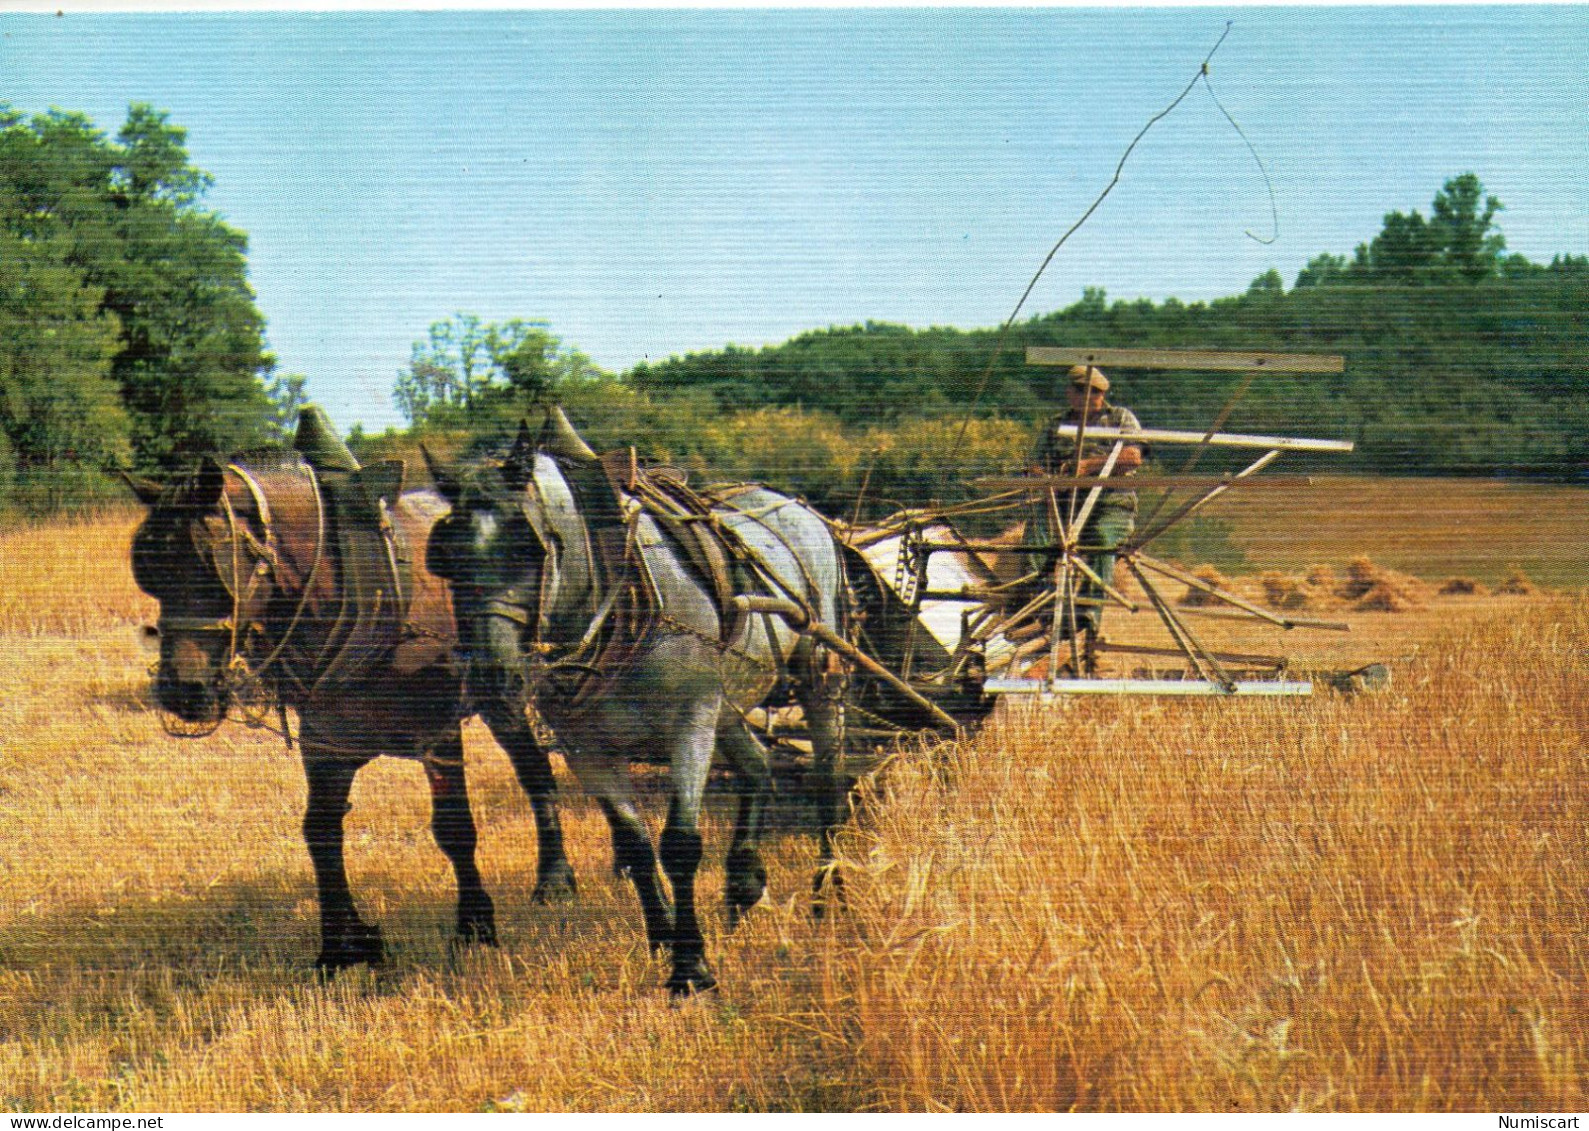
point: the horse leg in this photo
(746, 880)
(345, 939)
(822, 698)
(632, 853)
(680, 847)
(554, 877)
(452, 824)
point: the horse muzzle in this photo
(190, 683)
(200, 702)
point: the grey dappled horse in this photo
(629, 653)
(252, 561)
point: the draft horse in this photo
(633, 647)
(300, 577)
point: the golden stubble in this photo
(1338, 904)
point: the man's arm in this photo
(1129, 460)
(1130, 457)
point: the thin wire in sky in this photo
(1004, 331)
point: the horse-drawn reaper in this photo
(646, 621)
(968, 618)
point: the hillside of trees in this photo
(130, 339)
(1459, 358)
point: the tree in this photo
(1455, 246)
(287, 397)
(124, 220)
(1269, 283)
(1462, 231)
(193, 369)
(1322, 271)
(466, 368)
(60, 409)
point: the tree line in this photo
(131, 338)
(1460, 359)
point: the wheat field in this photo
(1338, 904)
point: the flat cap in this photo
(1089, 376)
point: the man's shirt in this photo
(1055, 454)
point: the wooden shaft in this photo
(1224, 361)
(799, 620)
(1193, 647)
(1288, 622)
(1108, 589)
(1247, 658)
(1217, 440)
(1199, 584)
(1133, 483)
(1243, 476)
(1079, 519)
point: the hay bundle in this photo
(1377, 589)
(1196, 598)
(1462, 587)
(1323, 579)
(1517, 584)
(1383, 597)
(1281, 591)
(1361, 576)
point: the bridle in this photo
(243, 682)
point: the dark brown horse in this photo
(304, 582)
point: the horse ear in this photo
(147, 490)
(444, 477)
(207, 485)
(519, 468)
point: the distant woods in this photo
(1460, 359)
(130, 338)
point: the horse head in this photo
(496, 554)
(204, 557)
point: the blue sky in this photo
(655, 182)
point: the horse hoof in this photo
(476, 933)
(739, 905)
(329, 963)
(556, 885)
(360, 946)
(747, 884)
(688, 981)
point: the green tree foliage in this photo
(288, 394)
(1455, 245)
(109, 251)
(466, 371)
(1460, 360)
(60, 408)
